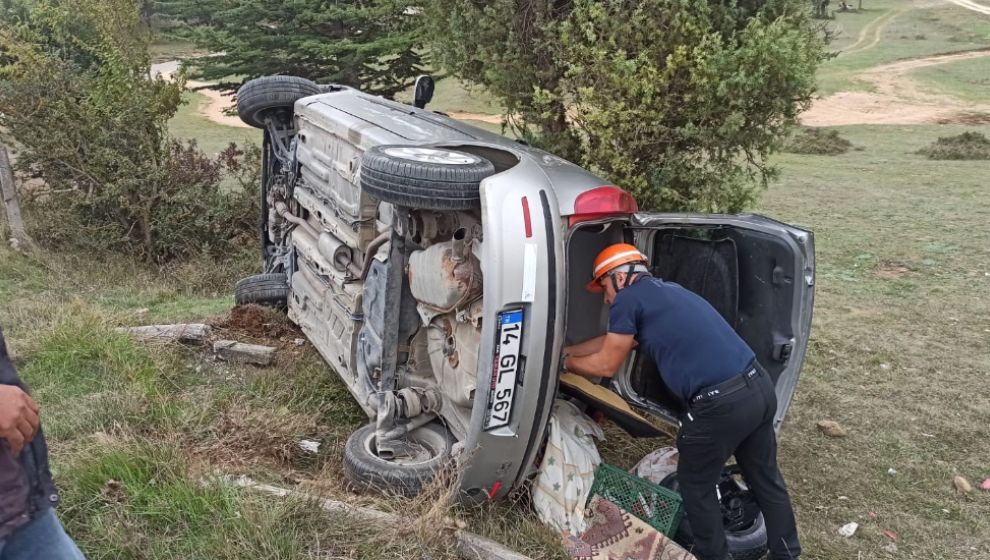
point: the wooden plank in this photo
(238, 352)
(192, 333)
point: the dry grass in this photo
(245, 435)
(135, 429)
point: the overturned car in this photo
(439, 269)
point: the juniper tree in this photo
(680, 101)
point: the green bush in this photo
(679, 101)
(816, 141)
(77, 100)
(181, 213)
(968, 145)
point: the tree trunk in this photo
(10, 201)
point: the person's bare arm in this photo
(606, 361)
(586, 347)
(18, 418)
(589, 346)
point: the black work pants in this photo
(739, 424)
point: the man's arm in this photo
(586, 347)
(606, 361)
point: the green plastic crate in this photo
(656, 505)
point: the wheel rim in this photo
(432, 155)
(421, 452)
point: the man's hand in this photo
(18, 417)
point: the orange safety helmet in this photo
(609, 259)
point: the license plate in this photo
(505, 369)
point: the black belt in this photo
(726, 387)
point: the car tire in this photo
(424, 177)
(271, 290)
(259, 97)
(368, 471)
(748, 543)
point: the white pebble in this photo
(849, 529)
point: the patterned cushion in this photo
(614, 534)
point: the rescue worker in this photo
(29, 529)
(730, 401)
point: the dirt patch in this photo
(891, 270)
(256, 321)
(483, 117)
(216, 105)
(896, 99)
(261, 325)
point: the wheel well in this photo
(501, 159)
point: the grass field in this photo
(899, 356)
(211, 137)
(889, 30)
(899, 347)
(967, 79)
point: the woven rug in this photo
(613, 534)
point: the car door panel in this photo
(757, 272)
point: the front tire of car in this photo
(262, 97)
(424, 177)
(407, 476)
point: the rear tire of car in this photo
(271, 290)
(423, 177)
(749, 543)
(260, 97)
(368, 471)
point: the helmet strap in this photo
(633, 272)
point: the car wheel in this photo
(746, 542)
(405, 476)
(260, 97)
(271, 290)
(424, 177)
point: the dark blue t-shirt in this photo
(692, 345)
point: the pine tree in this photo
(371, 45)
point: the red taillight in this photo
(527, 220)
(601, 202)
(495, 488)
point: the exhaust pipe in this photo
(330, 247)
